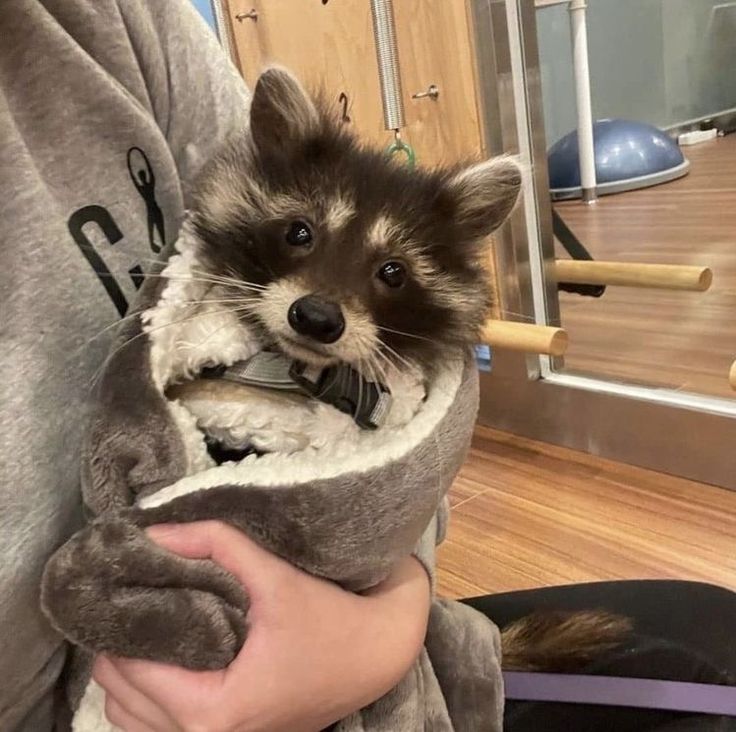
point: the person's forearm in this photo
(408, 582)
(401, 610)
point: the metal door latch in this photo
(252, 14)
(432, 92)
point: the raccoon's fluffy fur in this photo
(300, 163)
(564, 642)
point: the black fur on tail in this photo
(561, 641)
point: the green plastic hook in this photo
(399, 146)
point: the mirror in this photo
(659, 72)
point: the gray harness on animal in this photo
(340, 386)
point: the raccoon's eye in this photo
(393, 274)
(299, 234)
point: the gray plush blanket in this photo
(345, 507)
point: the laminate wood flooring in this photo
(527, 514)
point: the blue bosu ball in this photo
(628, 155)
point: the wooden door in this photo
(435, 48)
(329, 43)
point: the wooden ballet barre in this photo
(630, 274)
(732, 376)
(525, 337)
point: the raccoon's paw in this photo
(110, 589)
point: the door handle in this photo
(432, 92)
(252, 14)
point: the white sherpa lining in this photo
(185, 338)
(90, 717)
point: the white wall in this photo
(658, 61)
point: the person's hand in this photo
(314, 652)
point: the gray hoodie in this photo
(108, 108)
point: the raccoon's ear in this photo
(485, 194)
(281, 112)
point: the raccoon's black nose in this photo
(315, 318)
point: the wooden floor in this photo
(526, 514)
(680, 340)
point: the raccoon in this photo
(340, 255)
(350, 257)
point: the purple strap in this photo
(676, 696)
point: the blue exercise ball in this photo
(628, 155)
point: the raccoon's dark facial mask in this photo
(340, 254)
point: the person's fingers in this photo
(223, 544)
(116, 714)
(174, 689)
(130, 698)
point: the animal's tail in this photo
(561, 641)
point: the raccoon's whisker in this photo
(174, 277)
(364, 365)
(345, 376)
(372, 371)
(265, 264)
(378, 371)
(384, 361)
(102, 275)
(212, 276)
(361, 393)
(238, 283)
(239, 278)
(239, 309)
(380, 375)
(126, 343)
(363, 346)
(196, 275)
(374, 359)
(214, 280)
(234, 300)
(389, 365)
(337, 378)
(240, 286)
(249, 306)
(342, 378)
(235, 281)
(108, 327)
(137, 313)
(329, 386)
(209, 335)
(404, 333)
(360, 397)
(398, 356)
(364, 369)
(98, 372)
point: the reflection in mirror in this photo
(660, 74)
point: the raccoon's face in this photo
(339, 254)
